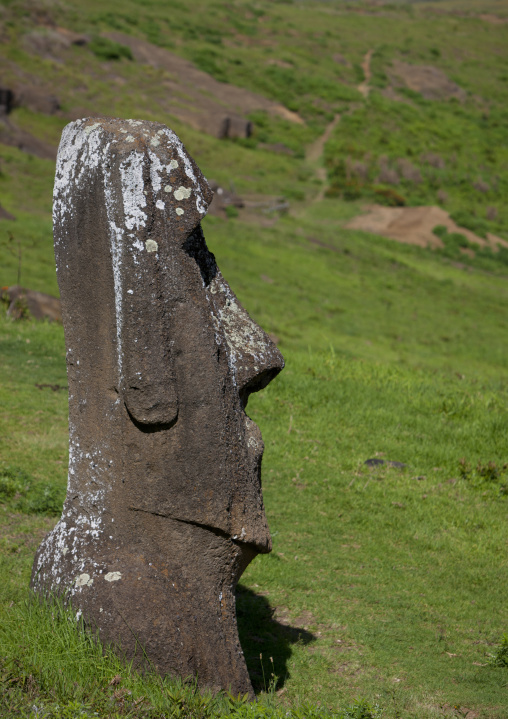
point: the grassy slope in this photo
(386, 584)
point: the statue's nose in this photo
(257, 367)
(253, 357)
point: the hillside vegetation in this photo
(385, 594)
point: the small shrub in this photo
(434, 160)
(489, 472)
(294, 193)
(45, 498)
(358, 71)
(481, 186)
(440, 231)
(22, 494)
(209, 61)
(501, 255)
(13, 481)
(500, 656)
(231, 211)
(463, 218)
(360, 170)
(464, 468)
(388, 176)
(389, 197)
(106, 49)
(352, 190)
(491, 213)
(409, 172)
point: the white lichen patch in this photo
(168, 188)
(113, 576)
(160, 205)
(183, 193)
(172, 165)
(134, 200)
(84, 580)
(242, 333)
(91, 128)
(157, 170)
(154, 142)
(129, 138)
(179, 211)
(246, 342)
(151, 246)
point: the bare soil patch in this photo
(195, 96)
(414, 225)
(50, 42)
(493, 19)
(5, 214)
(15, 137)
(364, 87)
(429, 81)
(393, 95)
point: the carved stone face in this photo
(191, 359)
(164, 468)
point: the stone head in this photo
(164, 508)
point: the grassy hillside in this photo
(387, 584)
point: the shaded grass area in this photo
(67, 673)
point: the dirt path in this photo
(315, 151)
(314, 155)
(363, 87)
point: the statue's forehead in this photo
(144, 165)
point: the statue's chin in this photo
(169, 597)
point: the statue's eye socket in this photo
(195, 247)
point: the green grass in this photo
(65, 666)
(377, 575)
(386, 586)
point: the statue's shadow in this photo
(264, 638)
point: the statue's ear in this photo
(150, 402)
(148, 383)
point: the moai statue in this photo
(164, 509)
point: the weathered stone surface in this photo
(164, 508)
(36, 99)
(6, 100)
(223, 198)
(234, 128)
